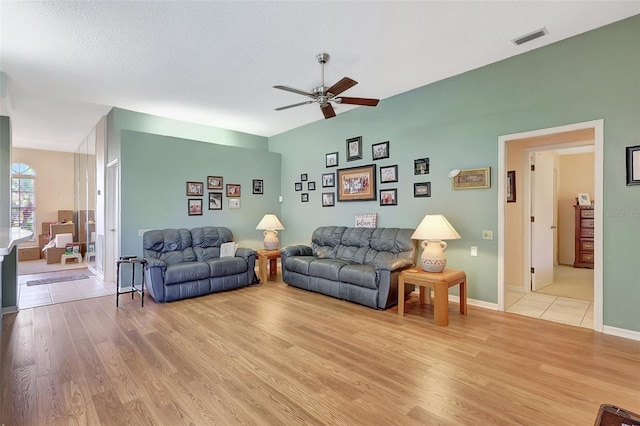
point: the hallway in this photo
(569, 300)
(63, 291)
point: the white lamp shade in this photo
(434, 229)
(270, 224)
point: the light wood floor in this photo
(277, 355)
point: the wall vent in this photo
(531, 36)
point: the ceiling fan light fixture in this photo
(324, 95)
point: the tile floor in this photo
(553, 308)
(66, 291)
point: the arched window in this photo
(23, 197)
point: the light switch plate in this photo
(474, 251)
(487, 235)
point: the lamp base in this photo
(433, 257)
(271, 240)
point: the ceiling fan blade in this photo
(341, 86)
(328, 111)
(292, 90)
(294, 105)
(359, 101)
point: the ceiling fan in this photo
(324, 95)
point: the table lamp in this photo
(271, 226)
(433, 229)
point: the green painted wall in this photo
(122, 119)
(154, 170)
(456, 123)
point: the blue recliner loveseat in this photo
(184, 263)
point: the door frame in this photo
(112, 219)
(598, 127)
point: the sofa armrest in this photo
(155, 263)
(297, 250)
(246, 253)
(394, 264)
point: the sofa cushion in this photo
(325, 240)
(360, 275)
(299, 264)
(224, 266)
(182, 272)
(326, 268)
(208, 239)
(169, 245)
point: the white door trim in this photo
(112, 218)
(598, 126)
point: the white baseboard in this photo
(474, 302)
(621, 332)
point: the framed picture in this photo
(303, 177)
(511, 186)
(388, 197)
(633, 165)
(354, 148)
(214, 182)
(380, 150)
(331, 159)
(304, 197)
(473, 179)
(357, 183)
(311, 186)
(328, 180)
(195, 206)
(215, 201)
(194, 189)
(234, 203)
(328, 199)
(233, 190)
(258, 186)
(421, 166)
(584, 199)
(389, 174)
(422, 189)
(298, 186)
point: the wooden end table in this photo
(440, 282)
(272, 256)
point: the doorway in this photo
(569, 136)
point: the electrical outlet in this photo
(474, 251)
(487, 235)
(142, 231)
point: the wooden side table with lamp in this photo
(270, 225)
(433, 274)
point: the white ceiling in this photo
(215, 62)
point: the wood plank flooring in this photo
(277, 355)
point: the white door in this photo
(112, 222)
(543, 225)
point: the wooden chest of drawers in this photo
(584, 255)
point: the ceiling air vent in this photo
(531, 36)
